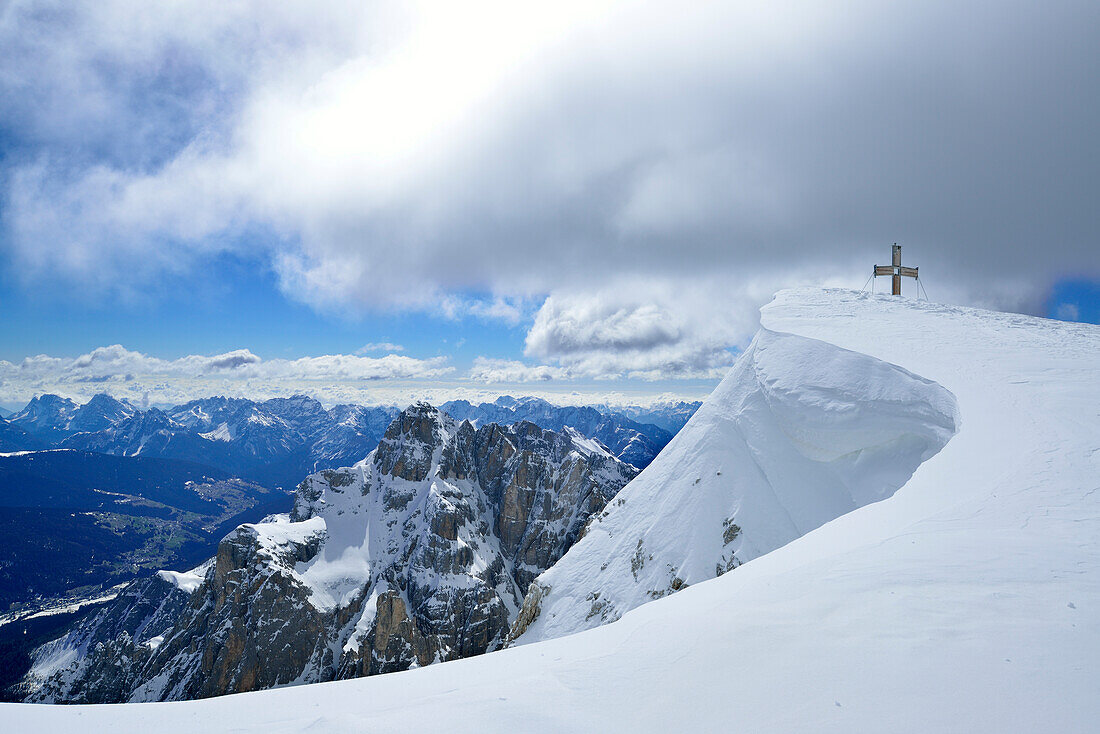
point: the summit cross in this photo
(896, 270)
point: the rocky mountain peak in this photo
(409, 444)
(632, 442)
(420, 553)
(100, 413)
(155, 419)
(300, 411)
(45, 411)
(421, 420)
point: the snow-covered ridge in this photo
(966, 601)
(221, 433)
(800, 432)
(187, 581)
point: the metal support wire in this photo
(864, 288)
(923, 289)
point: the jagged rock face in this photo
(422, 552)
(405, 451)
(99, 413)
(102, 658)
(46, 417)
(212, 648)
(633, 442)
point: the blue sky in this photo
(238, 304)
(521, 198)
(234, 304)
(1074, 299)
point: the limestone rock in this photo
(420, 553)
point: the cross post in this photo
(896, 270)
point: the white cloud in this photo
(349, 367)
(511, 311)
(489, 380)
(372, 347)
(495, 371)
(240, 372)
(1069, 312)
(649, 329)
(657, 172)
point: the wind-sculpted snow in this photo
(800, 432)
(965, 602)
(420, 553)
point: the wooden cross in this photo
(896, 270)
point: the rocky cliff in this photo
(633, 442)
(420, 553)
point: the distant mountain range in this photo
(628, 440)
(671, 415)
(419, 553)
(278, 442)
(274, 442)
(107, 481)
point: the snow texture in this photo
(967, 600)
(799, 433)
(187, 581)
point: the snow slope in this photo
(799, 433)
(967, 601)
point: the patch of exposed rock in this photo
(423, 552)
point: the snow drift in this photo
(966, 601)
(799, 433)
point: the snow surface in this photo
(187, 581)
(799, 433)
(221, 433)
(27, 453)
(586, 446)
(968, 600)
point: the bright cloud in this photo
(379, 347)
(389, 380)
(629, 180)
(495, 371)
(237, 372)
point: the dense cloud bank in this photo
(630, 180)
(392, 379)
